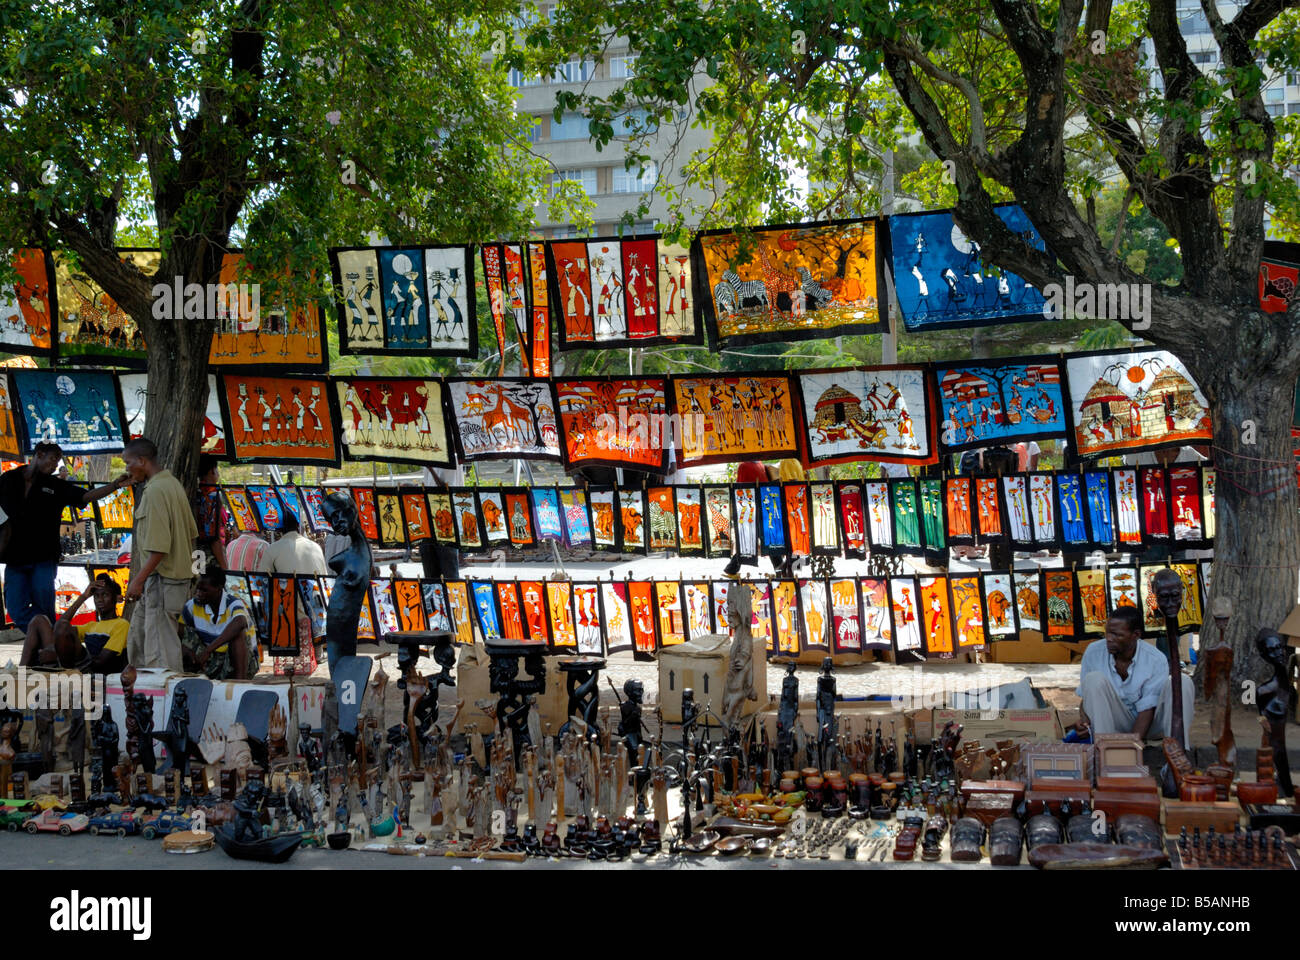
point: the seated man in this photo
(1124, 683)
(217, 631)
(95, 647)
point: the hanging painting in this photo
(760, 593)
(532, 595)
(1185, 502)
(797, 517)
(313, 499)
(785, 617)
(907, 626)
(458, 603)
(546, 511)
(668, 602)
(867, 413)
(1137, 400)
(848, 496)
(415, 514)
(29, 305)
(80, 410)
(990, 509)
(1069, 497)
(906, 509)
(10, 441)
(662, 517)
(493, 510)
(631, 515)
(409, 301)
(614, 422)
(1058, 591)
(240, 506)
(559, 607)
(1122, 584)
(745, 501)
(999, 603)
(586, 617)
(603, 513)
(266, 501)
(611, 292)
(732, 418)
(285, 333)
(1101, 518)
(1128, 527)
(846, 616)
(280, 419)
(577, 521)
(690, 536)
(135, 395)
(1019, 526)
(92, 327)
(282, 627)
(1029, 594)
(503, 419)
(519, 519)
(367, 515)
(698, 609)
(512, 620)
(539, 308)
(794, 282)
(618, 617)
(943, 280)
(1092, 601)
(466, 520)
(934, 526)
(967, 611)
(312, 600)
(436, 606)
(117, 511)
(877, 619)
(718, 525)
(825, 528)
(442, 517)
(999, 402)
(880, 516)
(641, 598)
(1042, 508)
(815, 615)
(388, 505)
(1155, 505)
(485, 608)
(1207, 500)
(398, 420)
(772, 514)
(937, 618)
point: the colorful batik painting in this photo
(313, 499)
(408, 601)
(461, 611)
(867, 413)
(943, 280)
(848, 496)
(1185, 502)
(1093, 608)
(1029, 599)
(399, 420)
(937, 617)
(262, 323)
(611, 292)
(495, 519)
(28, 305)
(690, 535)
(280, 419)
(367, 514)
(663, 518)
(238, 502)
(10, 442)
(772, 513)
(80, 410)
(532, 596)
(618, 617)
(906, 616)
(519, 520)
(586, 618)
(670, 616)
(815, 614)
(408, 301)
(135, 395)
(614, 422)
(846, 616)
(967, 611)
(1069, 498)
(1042, 508)
(92, 327)
(392, 532)
(877, 616)
(999, 604)
(435, 605)
(1128, 525)
(512, 620)
(642, 602)
(880, 516)
(760, 593)
(504, 419)
(990, 509)
(717, 521)
(577, 522)
(442, 517)
(745, 501)
(466, 519)
(1135, 400)
(796, 282)
(728, 418)
(785, 617)
(907, 520)
(825, 528)
(603, 512)
(1101, 516)
(1155, 504)
(1207, 500)
(1122, 586)
(539, 309)
(1058, 590)
(1019, 521)
(698, 609)
(282, 625)
(999, 402)
(485, 609)
(934, 526)
(117, 511)
(798, 520)
(415, 514)
(266, 501)
(631, 515)
(546, 511)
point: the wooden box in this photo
(1116, 802)
(1222, 816)
(987, 807)
(1013, 788)
(1078, 792)
(1146, 784)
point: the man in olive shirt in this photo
(33, 500)
(164, 536)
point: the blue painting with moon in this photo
(406, 317)
(943, 280)
(79, 410)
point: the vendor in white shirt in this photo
(292, 553)
(1124, 683)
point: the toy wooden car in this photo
(50, 821)
(167, 822)
(118, 823)
(14, 813)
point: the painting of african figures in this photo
(1139, 400)
(279, 419)
(735, 418)
(796, 282)
(393, 419)
(871, 413)
(1000, 401)
(81, 411)
(614, 422)
(503, 419)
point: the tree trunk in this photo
(1257, 535)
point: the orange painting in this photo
(615, 422)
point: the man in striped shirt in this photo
(220, 640)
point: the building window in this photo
(566, 232)
(572, 127)
(518, 79)
(627, 181)
(1293, 108)
(639, 229)
(1275, 109)
(622, 67)
(1275, 94)
(575, 71)
(535, 130)
(1205, 56)
(585, 176)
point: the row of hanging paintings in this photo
(771, 283)
(917, 617)
(1106, 403)
(1122, 508)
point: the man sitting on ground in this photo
(219, 639)
(1124, 683)
(95, 647)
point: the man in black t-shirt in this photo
(33, 500)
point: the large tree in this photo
(1040, 102)
(282, 126)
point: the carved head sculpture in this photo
(634, 690)
(1168, 588)
(827, 664)
(180, 708)
(1272, 648)
(341, 514)
(740, 608)
(501, 671)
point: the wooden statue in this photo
(1276, 701)
(1168, 588)
(352, 577)
(739, 685)
(1218, 681)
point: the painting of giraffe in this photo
(504, 418)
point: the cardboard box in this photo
(991, 725)
(701, 665)
(473, 684)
